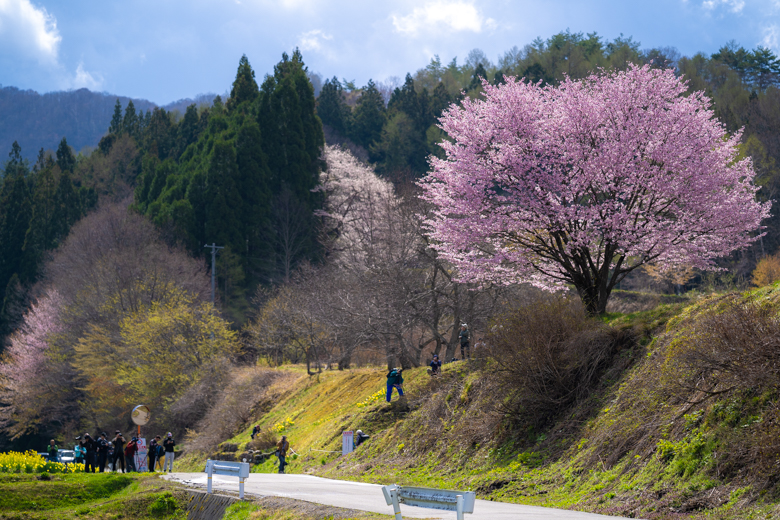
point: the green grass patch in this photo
(106, 496)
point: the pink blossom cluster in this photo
(610, 172)
(23, 367)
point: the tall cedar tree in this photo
(369, 118)
(244, 87)
(332, 108)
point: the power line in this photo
(214, 247)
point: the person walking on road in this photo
(168, 444)
(119, 451)
(281, 452)
(102, 452)
(395, 379)
(464, 336)
(53, 451)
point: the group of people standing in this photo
(99, 454)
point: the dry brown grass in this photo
(551, 355)
(249, 393)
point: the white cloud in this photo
(313, 40)
(29, 29)
(297, 4)
(85, 79)
(771, 37)
(735, 6)
(445, 15)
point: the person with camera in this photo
(395, 379)
(130, 451)
(91, 448)
(151, 453)
(79, 453)
(102, 451)
(168, 444)
(119, 451)
(53, 452)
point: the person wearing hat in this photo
(119, 451)
(435, 365)
(102, 451)
(168, 444)
(130, 451)
(395, 379)
(360, 438)
(464, 336)
(89, 444)
(281, 452)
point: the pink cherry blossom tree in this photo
(25, 372)
(582, 183)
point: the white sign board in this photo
(141, 462)
(347, 442)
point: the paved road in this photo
(368, 497)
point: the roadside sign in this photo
(347, 442)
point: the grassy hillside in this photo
(684, 424)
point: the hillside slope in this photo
(653, 442)
(38, 121)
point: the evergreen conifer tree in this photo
(332, 108)
(116, 119)
(369, 117)
(65, 158)
(244, 86)
(130, 122)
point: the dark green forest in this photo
(242, 173)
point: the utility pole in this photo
(214, 248)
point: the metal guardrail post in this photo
(391, 498)
(234, 469)
(459, 507)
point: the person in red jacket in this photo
(130, 451)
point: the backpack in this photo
(393, 374)
(160, 450)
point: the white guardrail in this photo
(231, 469)
(458, 501)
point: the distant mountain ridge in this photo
(41, 120)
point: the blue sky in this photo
(164, 50)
